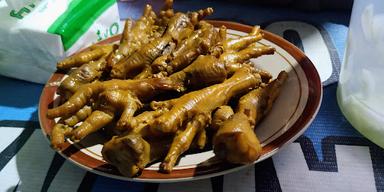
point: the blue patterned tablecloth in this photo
(330, 156)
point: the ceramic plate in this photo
(291, 114)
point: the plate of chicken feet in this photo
(176, 97)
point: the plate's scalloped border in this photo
(99, 167)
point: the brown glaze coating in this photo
(143, 89)
(222, 114)
(199, 42)
(134, 36)
(204, 101)
(235, 141)
(93, 53)
(84, 74)
(59, 132)
(179, 28)
(80, 115)
(131, 153)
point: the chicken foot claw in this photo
(143, 89)
(235, 141)
(204, 101)
(59, 132)
(112, 102)
(97, 120)
(131, 153)
(182, 141)
(94, 52)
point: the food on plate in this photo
(189, 49)
(59, 132)
(179, 27)
(80, 115)
(169, 86)
(235, 139)
(221, 114)
(93, 53)
(84, 74)
(134, 35)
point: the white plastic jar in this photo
(361, 86)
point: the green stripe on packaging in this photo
(77, 19)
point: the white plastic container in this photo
(361, 86)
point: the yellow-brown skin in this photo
(199, 42)
(111, 102)
(123, 49)
(143, 89)
(84, 74)
(183, 140)
(235, 141)
(235, 53)
(243, 42)
(257, 103)
(134, 64)
(242, 49)
(80, 115)
(201, 139)
(187, 116)
(179, 28)
(204, 68)
(204, 101)
(180, 43)
(209, 69)
(59, 132)
(204, 71)
(128, 154)
(94, 52)
(197, 16)
(145, 73)
(140, 123)
(196, 108)
(125, 103)
(94, 122)
(134, 36)
(252, 51)
(162, 63)
(131, 153)
(222, 114)
(166, 13)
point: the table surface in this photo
(330, 155)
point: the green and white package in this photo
(35, 34)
